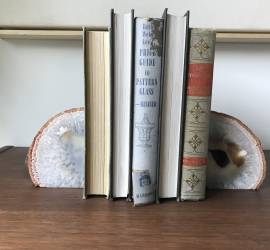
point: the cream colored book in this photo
(98, 120)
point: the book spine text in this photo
(147, 81)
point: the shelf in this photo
(243, 37)
(41, 34)
(223, 36)
(58, 218)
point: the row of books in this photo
(148, 85)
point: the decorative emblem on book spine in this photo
(195, 142)
(145, 128)
(145, 179)
(202, 48)
(192, 181)
(197, 112)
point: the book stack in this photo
(148, 88)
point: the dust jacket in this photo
(147, 90)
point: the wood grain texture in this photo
(40, 218)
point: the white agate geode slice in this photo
(236, 159)
(56, 156)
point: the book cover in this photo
(173, 96)
(147, 87)
(96, 43)
(121, 50)
(198, 102)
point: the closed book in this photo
(173, 97)
(197, 115)
(122, 42)
(147, 89)
(97, 73)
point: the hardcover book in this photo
(147, 89)
(199, 88)
(97, 112)
(173, 103)
(122, 43)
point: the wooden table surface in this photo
(41, 218)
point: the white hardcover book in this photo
(171, 105)
(122, 102)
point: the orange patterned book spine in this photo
(198, 102)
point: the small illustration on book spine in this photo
(145, 128)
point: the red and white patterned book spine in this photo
(199, 90)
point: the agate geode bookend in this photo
(236, 159)
(56, 156)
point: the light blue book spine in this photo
(147, 87)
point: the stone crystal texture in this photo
(236, 159)
(56, 156)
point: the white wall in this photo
(242, 85)
(207, 13)
(37, 80)
(41, 78)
